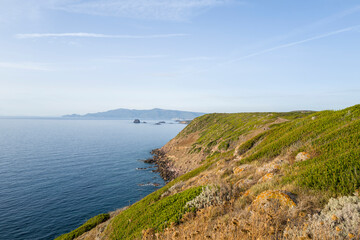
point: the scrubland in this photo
(289, 175)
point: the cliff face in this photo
(174, 160)
(254, 176)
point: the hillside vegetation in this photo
(255, 176)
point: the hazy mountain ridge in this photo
(123, 113)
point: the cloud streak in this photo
(96, 35)
(324, 21)
(143, 9)
(130, 58)
(24, 66)
(291, 44)
(200, 58)
(139, 57)
(172, 10)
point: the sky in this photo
(78, 56)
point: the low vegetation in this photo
(149, 214)
(331, 137)
(226, 129)
(338, 220)
(155, 213)
(87, 226)
(261, 176)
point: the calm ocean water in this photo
(56, 174)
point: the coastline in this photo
(248, 180)
(162, 164)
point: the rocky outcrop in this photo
(302, 156)
(263, 200)
(164, 167)
(178, 156)
(267, 177)
(240, 169)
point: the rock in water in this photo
(136, 121)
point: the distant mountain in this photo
(155, 114)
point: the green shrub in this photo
(338, 220)
(224, 145)
(157, 213)
(209, 196)
(333, 139)
(227, 128)
(147, 214)
(87, 226)
(246, 146)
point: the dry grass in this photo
(238, 219)
(230, 221)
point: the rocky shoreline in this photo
(162, 163)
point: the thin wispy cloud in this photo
(337, 16)
(130, 58)
(324, 21)
(24, 66)
(173, 10)
(96, 35)
(291, 44)
(138, 57)
(201, 58)
(144, 9)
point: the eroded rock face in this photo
(163, 165)
(263, 201)
(302, 156)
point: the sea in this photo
(57, 173)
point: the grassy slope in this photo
(152, 214)
(88, 225)
(215, 129)
(332, 138)
(225, 129)
(156, 212)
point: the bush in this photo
(173, 189)
(87, 226)
(246, 146)
(149, 214)
(210, 195)
(224, 146)
(338, 220)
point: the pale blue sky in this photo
(77, 56)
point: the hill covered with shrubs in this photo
(289, 175)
